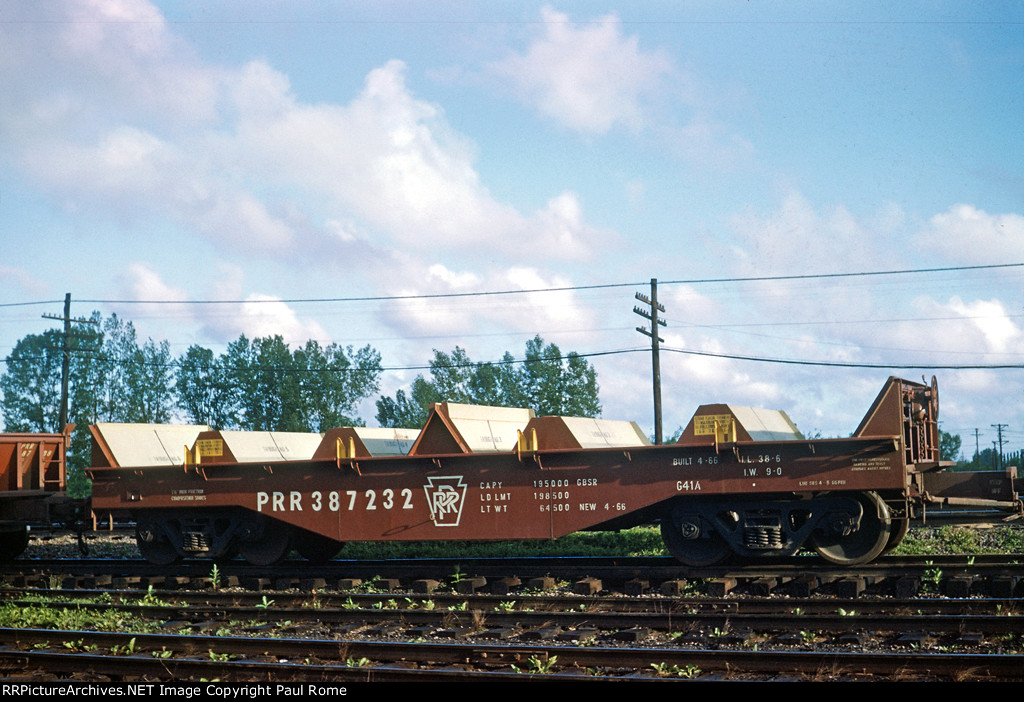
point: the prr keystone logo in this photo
(445, 495)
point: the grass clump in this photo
(60, 617)
(646, 541)
(639, 541)
(958, 540)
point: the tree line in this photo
(988, 459)
(262, 384)
(256, 384)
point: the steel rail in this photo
(609, 567)
(407, 601)
(682, 620)
(830, 664)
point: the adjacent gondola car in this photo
(501, 474)
(33, 481)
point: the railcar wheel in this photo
(845, 545)
(268, 547)
(153, 546)
(689, 542)
(13, 542)
(315, 548)
(900, 527)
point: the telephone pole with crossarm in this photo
(652, 315)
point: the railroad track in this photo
(497, 619)
(389, 636)
(957, 576)
(35, 655)
(761, 627)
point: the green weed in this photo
(537, 665)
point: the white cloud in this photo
(797, 239)
(919, 320)
(969, 235)
(589, 77)
(146, 284)
(544, 309)
(64, 64)
(391, 160)
(710, 143)
(560, 310)
(141, 282)
(421, 316)
(125, 160)
(15, 278)
(232, 154)
(989, 318)
(593, 78)
(563, 233)
(259, 315)
(957, 331)
(265, 315)
(465, 282)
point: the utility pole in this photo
(656, 340)
(999, 433)
(65, 365)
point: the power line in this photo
(740, 329)
(97, 354)
(740, 357)
(616, 352)
(525, 291)
(843, 322)
(846, 364)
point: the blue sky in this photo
(264, 152)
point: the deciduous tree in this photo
(545, 381)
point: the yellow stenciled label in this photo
(210, 447)
(714, 424)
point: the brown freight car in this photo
(726, 489)
(33, 479)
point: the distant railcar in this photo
(33, 483)
(740, 482)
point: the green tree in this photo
(949, 446)
(255, 384)
(133, 382)
(408, 410)
(509, 390)
(559, 385)
(262, 385)
(453, 375)
(275, 404)
(333, 380)
(31, 387)
(31, 384)
(201, 389)
(545, 381)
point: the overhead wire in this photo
(740, 329)
(98, 354)
(521, 291)
(848, 364)
(693, 281)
